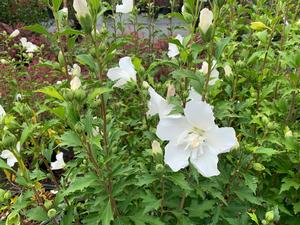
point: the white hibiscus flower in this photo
(173, 49)
(195, 137)
(158, 105)
(30, 47)
(81, 7)
(125, 7)
(75, 83)
(9, 156)
(206, 19)
(123, 73)
(59, 163)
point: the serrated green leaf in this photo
(80, 183)
(107, 215)
(70, 139)
(179, 179)
(289, 183)
(51, 91)
(37, 214)
(253, 217)
(3, 165)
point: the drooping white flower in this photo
(173, 48)
(9, 156)
(59, 163)
(75, 83)
(158, 105)
(195, 137)
(30, 47)
(214, 74)
(125, 7)
(228, 70)
(2, 112)
(14, 34)
(81, 8)
(123, 73)
(206, 18)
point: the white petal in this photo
(222, 139)
(126, 7)
(172, 128)
(179, 38)
(204, 68)
(81, 7)
(199, 114)
(2, 112)
(173, 50)
(158, 105)
(214, 76)
(59, 163)
(75, 83)
(205, 160)
(176, 156)
(11, 161)
(6, 154)
(206, 18)
(15, 33)
(194, 95)
(18, 146)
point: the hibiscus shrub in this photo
(215, 140)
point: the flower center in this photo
(195, 138)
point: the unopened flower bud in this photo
(51, 213)
(258, 167)
(159, 168)
(146, 84)
(171, 90)
(156, 149)
(228, 70)
(14, 34)
(48, 204)
(269, 216)
(258, 26)
(288, 132)
(3, 61)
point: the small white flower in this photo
(54, 192)
(9, 156)
(18, 97)
(156, 149)
(206, 18)
(30, 47)
(59, 163)
(158, 105)
(81, 7)
(59, 82)
(14, 34)
(228, 70)
(75, 83)
(214, 74)
(195, 137)
(173, 49)
(123, 73)
(2, 112)
(125, 7)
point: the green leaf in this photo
(97, 92)
(221, 44)
(288, 183)
(37, 214)
(38, 29)
(80, 183)
(179, 179)
(296, 207)
(245, 194)
(87, 60)
(266, 151)
(3, 165)
(56, 4)
(251, 182)
(107, 214)
(200, 210)
(253, 217)
(70, 31)
(26, 133)
(150, 202)
(51, 91)
(70, 139)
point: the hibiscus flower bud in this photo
(206, 18)
(51, 213)
(171, 90)
(269, 216)
(14, 34)
(75, 83)
(156, 149)
(81, 8)
(228, 70)
(258, 26)
(258, 167)
(159, 168)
